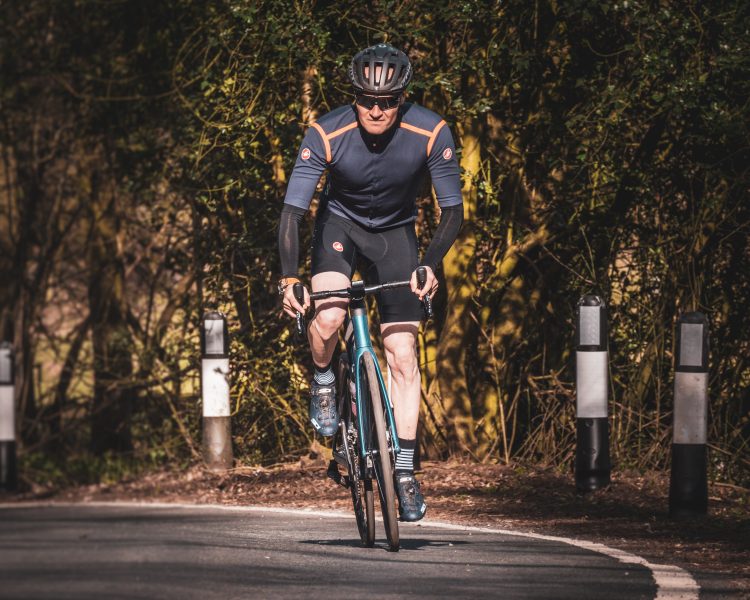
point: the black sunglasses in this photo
(384, 102)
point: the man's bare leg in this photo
(323, 336)
(400, 341)
(329, 316)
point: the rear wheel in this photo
(361, 488)
(381, 452)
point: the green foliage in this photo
(81, 469)
(614, 144)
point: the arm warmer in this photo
(451, 219)
(291, 217)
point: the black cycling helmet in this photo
(394, 74)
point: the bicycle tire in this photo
(383, 461)
(363, 500)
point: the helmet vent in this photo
(380, 69)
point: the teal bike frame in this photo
(359, 343)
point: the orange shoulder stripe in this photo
(433, 135)
(326, 143)
(416, 129)
(342, 130)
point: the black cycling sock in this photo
(324, 375)
(405, 458)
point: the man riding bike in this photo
(376, 152)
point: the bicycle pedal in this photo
(333, 472)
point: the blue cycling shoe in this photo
(411, 504)
(323, 413)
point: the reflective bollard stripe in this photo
(688, 485)
(592, 465)
(8, 464)
(215, 371)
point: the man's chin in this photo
(375, 129)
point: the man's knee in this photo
(328, 319)
(400, 341)
(402, 360)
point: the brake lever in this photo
(299, 295)
(426, 300)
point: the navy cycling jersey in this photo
(374, 180)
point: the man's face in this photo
(378, 117)
(373, 114)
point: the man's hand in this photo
(430, 284)
(291, 306)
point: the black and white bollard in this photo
(8, 468)
(217, 427)
(688, 485)
(592, 466)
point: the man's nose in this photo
(376, 112)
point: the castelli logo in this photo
(447, 153)
(338, 246)
(305, 153)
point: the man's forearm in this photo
(291, 217)
(446, 233)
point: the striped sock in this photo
(325, 375)
(405, 458)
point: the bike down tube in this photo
(362, 345)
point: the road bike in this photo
(366, 443)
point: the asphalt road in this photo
(137, 551)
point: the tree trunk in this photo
(309, 114)
(61, 390)
(451, 392)
(112, 343)
(504, 319)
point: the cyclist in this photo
(376, 152)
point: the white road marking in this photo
(672, 583)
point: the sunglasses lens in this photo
(389, 102)
(366, 102)
(384, 102)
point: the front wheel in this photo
(381, 452)
(361, 488)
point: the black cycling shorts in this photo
(342, 246)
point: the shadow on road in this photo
(406, 543)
